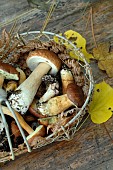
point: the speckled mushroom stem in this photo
(32, 83)
(21, 100)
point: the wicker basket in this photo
(67, 131)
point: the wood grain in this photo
(91, 147)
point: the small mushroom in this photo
(41, 61)
(11, 86)
(52, 86)
(21, 75)
(15, 130)
(58, 104)
(7, 71)
(75, 94)
(66, 78)
(40, 130)
(24, 125)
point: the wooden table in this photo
(92, 147)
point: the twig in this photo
(107, 132)
(51, 10)
(92, 27)
(88, 21)
(83, 122)
(13, 27)
(18, 17)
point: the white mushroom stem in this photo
(41, 61)
(39, 131)
(66, 78)
(32, 83)
(55, 105)
(21, 100)
(52, 90)
(58, 104)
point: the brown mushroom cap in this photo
(8, 71)
(33, 110)
(75, 94)
(43, 55)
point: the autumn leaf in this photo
(101, 106)
(57, 39)
(105, 58)
(77, 40)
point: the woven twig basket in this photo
(67, 131)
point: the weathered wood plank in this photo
(90, 149)
(68, 15)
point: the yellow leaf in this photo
(104, 57)
(73, 55)
(101, 51)
(101, 106)
(56, 39)
(106, 65)
(79, 41)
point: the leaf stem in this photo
(107, 132)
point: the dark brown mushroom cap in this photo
(8, 71)
(75, 94)
(43, 55)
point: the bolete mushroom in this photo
(41, 61)
(15, 130)
(33, 109)
(24, 125)
(7, 71)
(40, 130)
(66, 78)
(52, 87)
(21, 75)
(58, 104)
(11, 86)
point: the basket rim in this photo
(87, 67)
